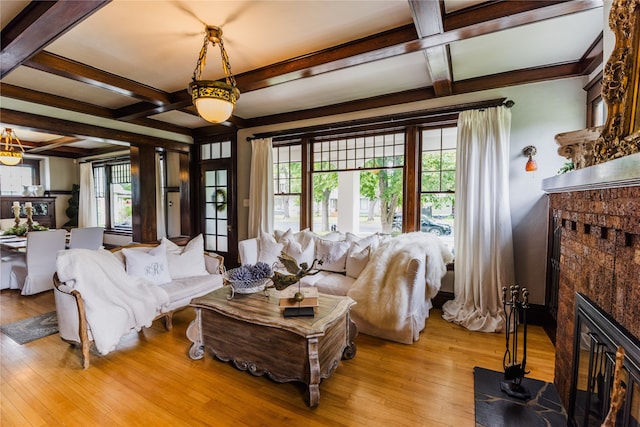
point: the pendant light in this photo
(214, 99)
(9, 155)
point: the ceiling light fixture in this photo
(214, 99)
(530, 151)
(8, 155)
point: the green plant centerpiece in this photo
(21, 230)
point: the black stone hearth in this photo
(494, 408)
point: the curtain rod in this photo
(392, 119)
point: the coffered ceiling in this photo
(105, 72)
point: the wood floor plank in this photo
(150, 380)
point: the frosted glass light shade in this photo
(10, 158)
(213, 109)
(213, 99)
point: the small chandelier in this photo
(213, 99)
(8, 155)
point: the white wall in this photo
(542, 110)
(59, 175)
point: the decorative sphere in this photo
(299, 296)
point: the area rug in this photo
(496, 409)
(27, 330)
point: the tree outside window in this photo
(113, 195)
(438, 182)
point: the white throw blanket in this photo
(382, 290)
(114, 302)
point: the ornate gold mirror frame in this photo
(621, 85)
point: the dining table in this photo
(17, 243)
(13, 242)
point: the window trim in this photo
(106, 190)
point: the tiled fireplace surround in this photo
(599, 253)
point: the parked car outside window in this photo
(427, 225)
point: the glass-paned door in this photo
(218, 227)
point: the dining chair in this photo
(86, 238)
(7, 259)
(35, 274)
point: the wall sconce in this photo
(530, 151)
(214, 100)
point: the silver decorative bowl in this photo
(243, 286)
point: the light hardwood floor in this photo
(150, 380)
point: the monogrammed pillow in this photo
(151, 265)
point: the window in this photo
(357, 182)
(287, 186)
(113, 194)
(438, 182)
(389, 174)
(14, 179)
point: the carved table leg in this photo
(314, 373)
(350, 350)
(194, 333)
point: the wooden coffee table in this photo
(251, 331)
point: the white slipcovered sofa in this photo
(392, 280)
(103, 295)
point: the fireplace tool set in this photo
(515, 302)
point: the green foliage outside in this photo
(383, 185)
(438, 176)
(323, 184)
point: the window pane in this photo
(449, 138)
(448, 180)
(13, 179)
(287, 212)
(121, 205)
(205, 151)
(431, 161)
(431, 140)
(287, 186)
(226, 150)
(431, 181)
(449, 160)
(438, 177)
(436, 216)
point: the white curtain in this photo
(87, 215)
(483, 240)
(261, 187)
(160, 201)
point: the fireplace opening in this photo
(596, 339)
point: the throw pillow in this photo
(357, 259)
(187, 261)
(268, 249)
(334, 236)
(372, 240)
(301, 253)
(286, 236)
(151, 265)
(332, 254)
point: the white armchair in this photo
(86, 238)
(35, 274)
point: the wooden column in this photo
(411, 193)
(143, 189)
(186, 218)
